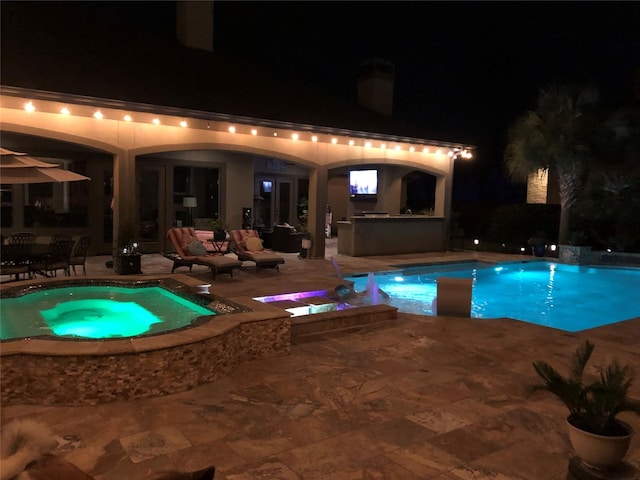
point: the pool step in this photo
(308, 328)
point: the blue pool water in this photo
(566, 297)
(96, 312)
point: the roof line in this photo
(214, 116)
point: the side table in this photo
(127, 264)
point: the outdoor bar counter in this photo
(366, 235)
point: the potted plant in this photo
(599, 439)
(219, 228)
(538, 244)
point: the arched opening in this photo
(419, 193)
(81, 207)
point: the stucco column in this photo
(318, 179)
(442, 207)
(125, 218)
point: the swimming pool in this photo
(100, 311)
(566, 297)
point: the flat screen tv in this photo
(363, 184)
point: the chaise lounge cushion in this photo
(263, 258)
(217, 262)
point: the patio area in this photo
(421, 398)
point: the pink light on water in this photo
(291, 296)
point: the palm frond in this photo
(592, 406)
(579, 360)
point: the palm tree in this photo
(618, 163)
(556, 137)
(610, 201)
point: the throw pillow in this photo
(197, 249)
(254, 244)
(187, 240)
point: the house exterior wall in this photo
(126, 140)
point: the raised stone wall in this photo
(575, 255)
(60, 379)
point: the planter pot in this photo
(597, 451)
(219, 235)
(538, 249)
(306, 246)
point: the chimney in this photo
(194, 24)
(375, 86)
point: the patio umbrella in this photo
(18, 168)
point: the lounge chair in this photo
(247, 245)
(187, 253)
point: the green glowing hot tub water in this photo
(96, 312)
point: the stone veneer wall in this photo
(575, 255)
(309, 327)
(537, 186)
(91, 379)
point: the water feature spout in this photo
(372, 289)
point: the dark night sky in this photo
(464, 70)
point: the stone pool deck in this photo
(418, 398)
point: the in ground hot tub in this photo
(74, 369)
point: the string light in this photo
(453, 152)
